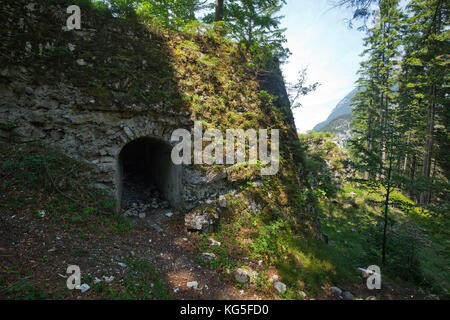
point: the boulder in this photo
(242, 276)
(348, 295)
(336, 291)
(280, 287)
(201, 219)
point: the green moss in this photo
(7, 126)
(102, 95)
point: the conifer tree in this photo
(425, 74)
(378, 134)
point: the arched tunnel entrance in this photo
(147, 178)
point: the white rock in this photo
(280, 287)
(84, 287)
(28, 46)
(209, 256)
(123, 265)
(242, 276)
(214, 242)
(258, 183)
(97, 280)
(364, 273)
(222, 202)
(169, 214)
(81, 62)
(108, 279)
(71, 46)
(192, 285)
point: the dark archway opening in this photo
(148, 180)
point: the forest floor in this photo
(35, 253)
(50, 220)
(144, 263)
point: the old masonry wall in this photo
(76, 91)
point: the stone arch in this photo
(146, 162)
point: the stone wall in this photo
(47, 103)
(49, 115)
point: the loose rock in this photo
(214, 242)
(201, 219)
(364, 273)
(336, 291)
(222, 202)
(192, 285)
(280, 287)
(348, 295)
(274, 278)
(84, 287)
(242, 276)
(209, 256)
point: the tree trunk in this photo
(412, 175)
(219, 10)
(426, 168)
(369, 140)
(386, 211)
(407, 157)
(425, 196)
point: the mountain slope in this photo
(342, 108)
(339, 120)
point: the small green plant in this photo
(7, 126)
(121, 226)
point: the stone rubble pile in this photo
(140, 199)
(136, 210)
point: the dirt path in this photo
(40, 251)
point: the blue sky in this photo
(320, 39)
